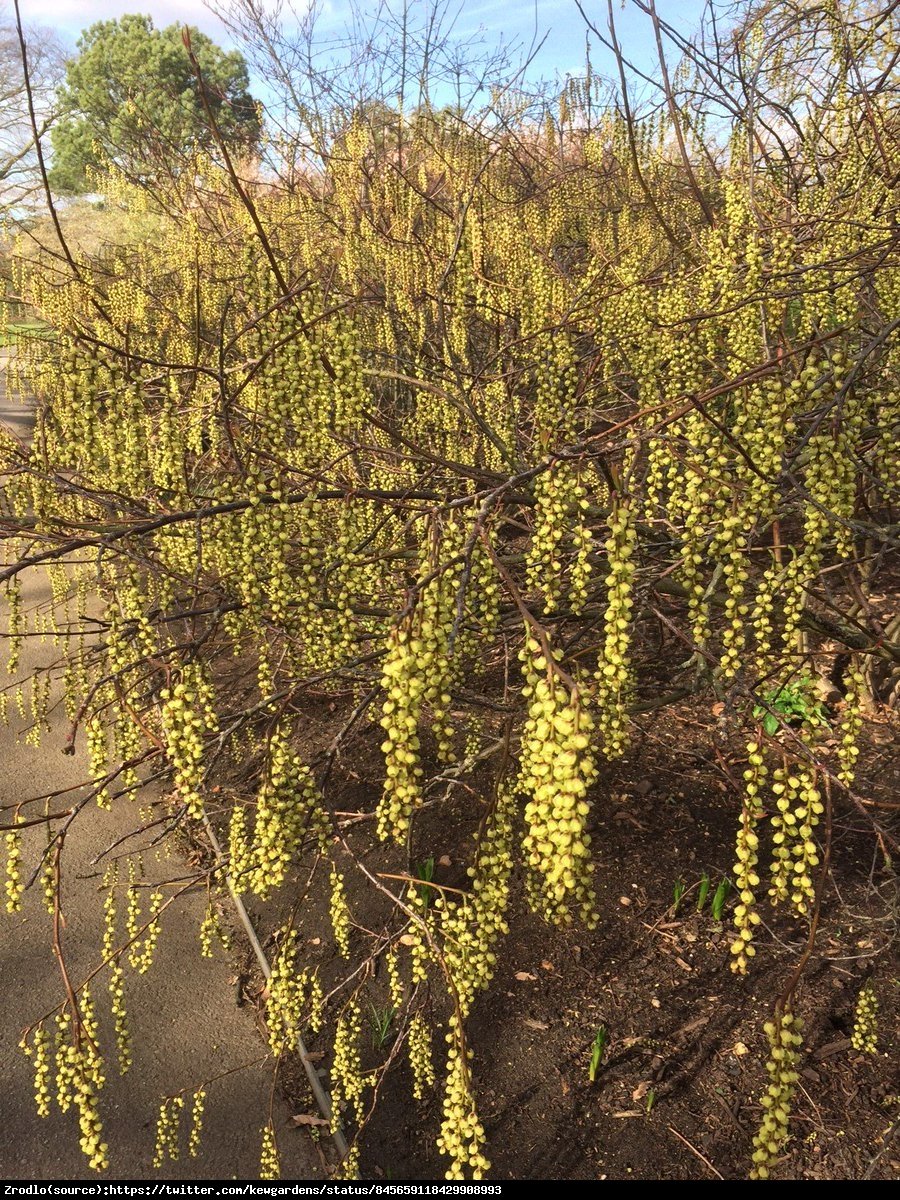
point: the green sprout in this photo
(719, 898)
(790, 702)
(651, 1100)
(677, 893)
(703, 892)
(381, 1020)
(599, 1045)
(425, 872)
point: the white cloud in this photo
(71, 16)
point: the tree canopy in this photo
(132, 97)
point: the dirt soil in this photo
(676, 1096)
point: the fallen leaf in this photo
(445, 861)
(407, 939)
(717, 709)
(309, 1119)
(640, 1091)
(524, 976)
(621, 815)
(654, 1003)
(624, 901)
(315, 941)
(548, 966)
(692, 1025)
(833, 1048)
(540, 1026)
(739, 1049)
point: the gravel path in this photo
(185, 1023)
(17, 417)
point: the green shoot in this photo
(381, 1020)
(597, 1049)
(651, 1100)
(703, 892)
(425, 872)
(721, 895)
(677, 894)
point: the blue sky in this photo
(491, 20)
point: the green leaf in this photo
(703, 892)
(597, 1049)
(721, 895)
